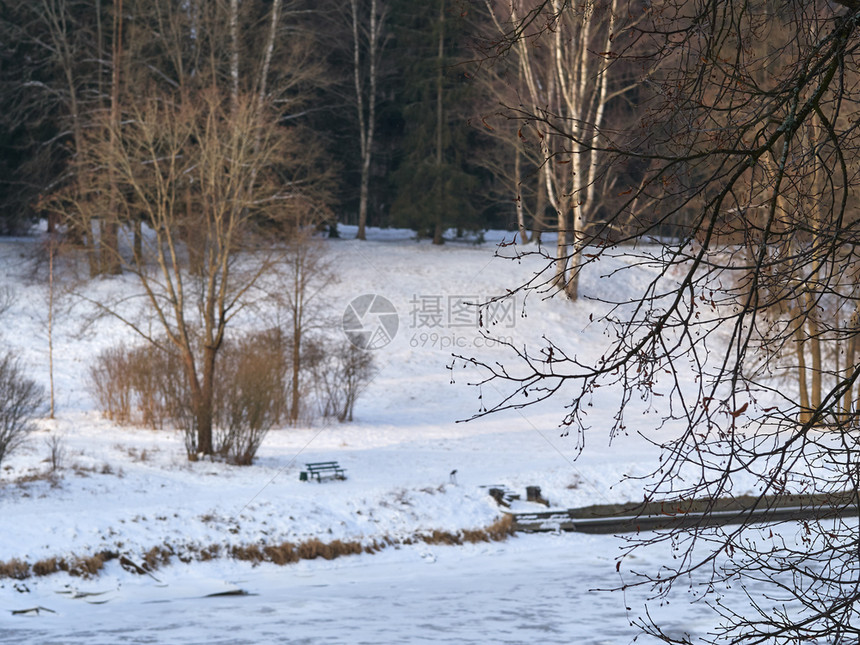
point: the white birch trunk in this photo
(366, 119)
(569, 85)
(263, 79)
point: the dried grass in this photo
(86, 567)
(48, 566)
(248, 553)
(37, 476)
(441, 537)
(157, 556)
(281, 554)
(312, 549)
(498, 531)
(340, 548)
(501, 529)
(210, 552)
(14, 568)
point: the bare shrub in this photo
(161, 389)
(250, 394)
(142, 385)
(253, 389)
(341, 372)
(145, 385)
(57, 451)
(20, 400)
(110, 385)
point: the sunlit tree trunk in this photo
(366, 114)
(520, 207)
(802, 376)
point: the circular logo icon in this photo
(370, 321)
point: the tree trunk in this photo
(850, 357)
(206, 404)
(196, 403)
(540, 211)
(571, 286)
(366, 125)
(438, 230)
(109, 261)
(800, 352)
(263, 81)
(90, 245)
(194, 240)
(815, 350)
(363, 197)
(521, 217)
(51, 252)
(561, 249)
(109, 247)
(138, 241)
(295, 392)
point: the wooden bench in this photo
(501, 494)
(322, 470)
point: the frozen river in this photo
(533, 589)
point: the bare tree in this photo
(341, 377)
(744, 143)
(20, 400)
(232, 175)
(308, 272)
(185, 161)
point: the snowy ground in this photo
(130, 489)
(534, 589)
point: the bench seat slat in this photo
(327, 469)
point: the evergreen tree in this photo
(436, 184)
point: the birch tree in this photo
(564, 77)
(368, 39)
